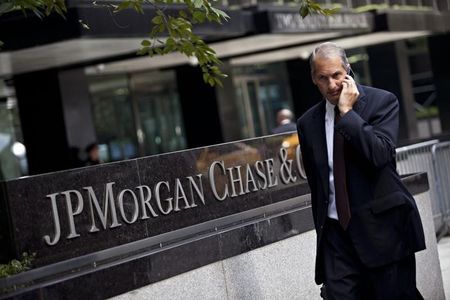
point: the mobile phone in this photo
(351, 73)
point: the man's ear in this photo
(313, 79)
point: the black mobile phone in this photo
(351, 73)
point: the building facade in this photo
(64, 87)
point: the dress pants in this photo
(347, 278)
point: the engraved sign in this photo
(71, 213)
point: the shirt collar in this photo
(329, 106)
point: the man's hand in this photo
(349, 95)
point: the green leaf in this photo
(198, 3)
(171, 45)
(182, 14)
(58, 11)
(157, 29)
(304, 11)
(38, 13)
(62, 5)
(146, 43)
(199, 16)
(123, 5)
(218, 82)
(138, 7)
(187, 48)
(142, 51)
(16, 266)
(221, 13)
(215, 70)
(6, 7)
(329, 12)
(314, 5)
(157, 20)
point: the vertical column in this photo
(438, 48)
(55, 116)
(389, 70)
(77, 110)
(228, 109)
(6, 250)
(42, 120)
(304, 93)
(199, 106)
(443, 5)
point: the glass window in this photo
(160, 122)
(359, 62)
(13, 161)
(261, 91)
(137, 114)
(424, 90)
(113, 118)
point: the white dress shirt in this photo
(329, 132)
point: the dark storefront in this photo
(64, 87)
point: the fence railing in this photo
(432, 157)
(441, 167)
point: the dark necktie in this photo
(340, 182)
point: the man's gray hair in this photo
(328, 50)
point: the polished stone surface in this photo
(273, 255)
(428, 270)
(256, 235)
(281, 270)
(207, 282)
(157, 265)
(31, 212)
(151, 196)
(444, 258)
(172, 217)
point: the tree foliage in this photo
(40, 8)
(170, 32)
(16, 266)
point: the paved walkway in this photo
(444, 257)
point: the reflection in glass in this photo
(137, 115)
(13, 161)
(160, 123)
(113, 117)
(261, 91)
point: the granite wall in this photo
(230, 221)
(282, 270)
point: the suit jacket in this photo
(385, 225)
(288, 127)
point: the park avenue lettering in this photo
(293, 22)
(142, 202)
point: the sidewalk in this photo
(444, 257)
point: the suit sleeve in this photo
(308, 167)
(374, 140)
(305, 159)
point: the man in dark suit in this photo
(367, 223)
(284, 122)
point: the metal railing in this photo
(434, 158)
(441, 167)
